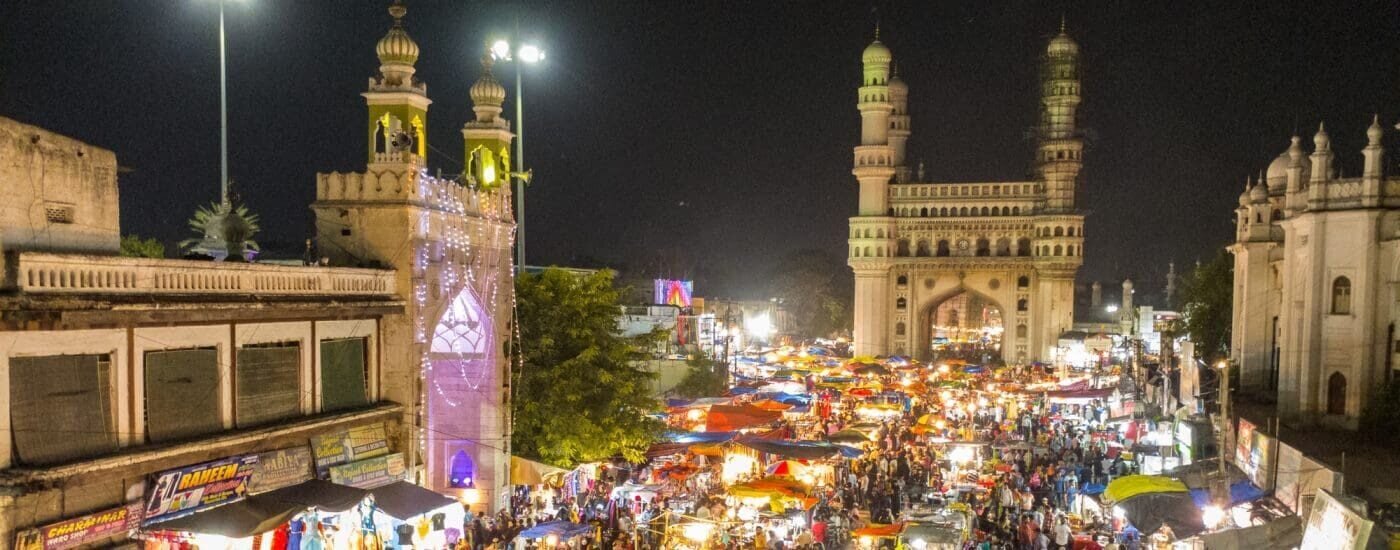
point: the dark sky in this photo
(714, 137)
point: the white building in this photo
(1008, 251)
(1317, 261)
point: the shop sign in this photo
(348, 446)
(1334, 526)
(81, 530)
(281, 468)
(371, 472)
(182, 491)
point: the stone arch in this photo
(923, 212)
(1023, 246)
(943, 211)
(943, 249)
(922, 249)
(1003, 246)
(986, 211)
(902, 248)
(922, 328)
(462, 365)
(996, 210)
(962, 211)
(984, 247)
(1059, 251)
(1059, 231)
(866, 252)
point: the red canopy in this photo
(729, 418)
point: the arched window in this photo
(1020, 331)
(984, 247)
(879, 233)
(962, 211)
(922, 249)
(986, 211)
(891, 211)
(943, 247)
(1022, 305)
(1059, 231)
(996, 210)
(1015, 211)
(1341, 296)
(943, 211)
(902, 279)
(1059, 251)
(1258, 218)
(901, 303)
(463, 471)
(1023, 246)
(923, 212)
(1337, 394)
(868, 233)
(1023, 281)
(855, 252)
(1003, 246)
(879, 252)
(902, 249)
(866, 252)
(1276, 215)
(899, 329)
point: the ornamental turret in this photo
(398, 102)
(874, 157)
(899, 125)
(1059, 154)
(488, 137)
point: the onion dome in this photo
(396, 48)
(1259, 193)
(897, 86)
(1277, 173)
(1321, 141)
(1244, 197)
(876, 52)
(487, 90)
(1062, 44)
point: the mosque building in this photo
(981, 269)
(1317, 261)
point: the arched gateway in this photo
(1004, 252)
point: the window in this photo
(903, 279)
(943, 247)
(902, 248)
(1020, 331)
(923, 212)
(1337, 394)
(269, 384)
(58, 213)
(1022, 304)
(901, 303)
(463, 471)
(923, 249)
(899, 329)
(1341, 296)
(984, 247)
(1059, 231)
(1023, 247)
(61, 408)
(182, 394)
(1023, 281)
(344, 376)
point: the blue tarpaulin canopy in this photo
(808, 450)
(1240, 492)
(700, 437)
(564, 530)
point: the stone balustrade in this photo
(44, 273)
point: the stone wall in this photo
(57, 194)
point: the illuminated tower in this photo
(398, 102)
(1060, 149)
(873, 229)
(488, 137)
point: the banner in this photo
(347, 446)
(182, 491)
(1334, 526)
(371, 472)
(281, 468)
(81, 530)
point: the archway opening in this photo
(965, 326)
(463, 471)
(1337, 394)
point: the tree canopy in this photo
(815, 288)
(1207, 300)
(705, 378)
(579, 395)
(135, 247)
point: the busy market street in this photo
(808, 449)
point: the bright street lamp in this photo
(526, 53)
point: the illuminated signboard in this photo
(673, 292)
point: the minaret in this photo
(874, 158)
(899, 125)
(1059, 152)
(1322, 155)
(398, 102)
(488, 137)
(1095, 295)
(1373, 152)
(1295, 199)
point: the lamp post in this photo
(501, 50)
(223, 109)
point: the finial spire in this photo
(397, 11)
(1062, 23)
(877, 27)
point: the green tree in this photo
(705, 378)
(136, 247)
(1382, 414)
(815, 289)
(1206, 301)
(580, 395)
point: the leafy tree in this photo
(815, 289)
(135, 247)
(581, 396)
(1206, 302)
(1382, 414)
(705, 378)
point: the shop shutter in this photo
(182, 394)
(343, 374)
(269, 384)
(61, 408)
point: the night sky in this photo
(711, 138)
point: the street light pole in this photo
(519, 167)
(223, 110)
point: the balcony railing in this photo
(44, 273)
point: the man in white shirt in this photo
(1063, 536)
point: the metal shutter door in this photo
(182, 394)
(268, 385)
(60, 408)
(343, 374)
